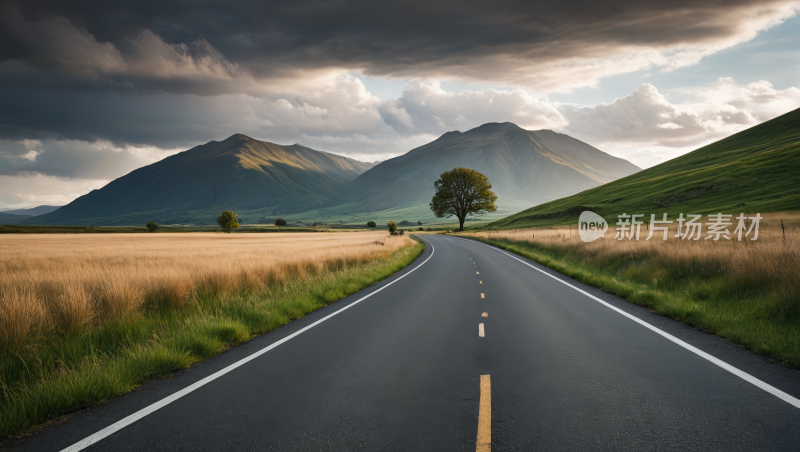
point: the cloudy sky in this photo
(90, 90)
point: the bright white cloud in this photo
(647, 129)
(33, 189)
(100, 159)
(426, 107)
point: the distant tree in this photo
(228, 220)
(152, 226)
(280, 222)
(421, 228)
(419, 223)
(392, 226)
(462, 192)
(371, 224)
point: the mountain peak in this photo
(449, 135)
(238, 137)
(494, 127)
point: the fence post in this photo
(784, 232)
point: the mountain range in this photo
(525, 168)
(261, 180)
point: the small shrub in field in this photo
(392, 227)
(280, 222)
(152, 226)
(420, 229)
(371, 224)
(228, 220)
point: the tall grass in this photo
(56, 284)
(85, 318)
(748, 292)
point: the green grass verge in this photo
(751, 314)
(79, 370)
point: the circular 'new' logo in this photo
(591, 226)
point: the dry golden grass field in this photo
(70, 282)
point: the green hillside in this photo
(756, 170)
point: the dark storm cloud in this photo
(472, 40)
(122, 118)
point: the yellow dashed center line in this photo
(482, 296)
(484, 443)
(477, 273)
(485, 314)
(481, 332)
(480, 282)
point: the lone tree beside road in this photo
(280, 222)
(152, 226)
(462, 192)
(228, 220)
(392, 227)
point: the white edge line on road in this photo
(480, 330)
(739, 373)
(122, 423)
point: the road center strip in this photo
(484, 443)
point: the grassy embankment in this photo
(80, 324)
(747, 292)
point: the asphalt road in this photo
(402, 370)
